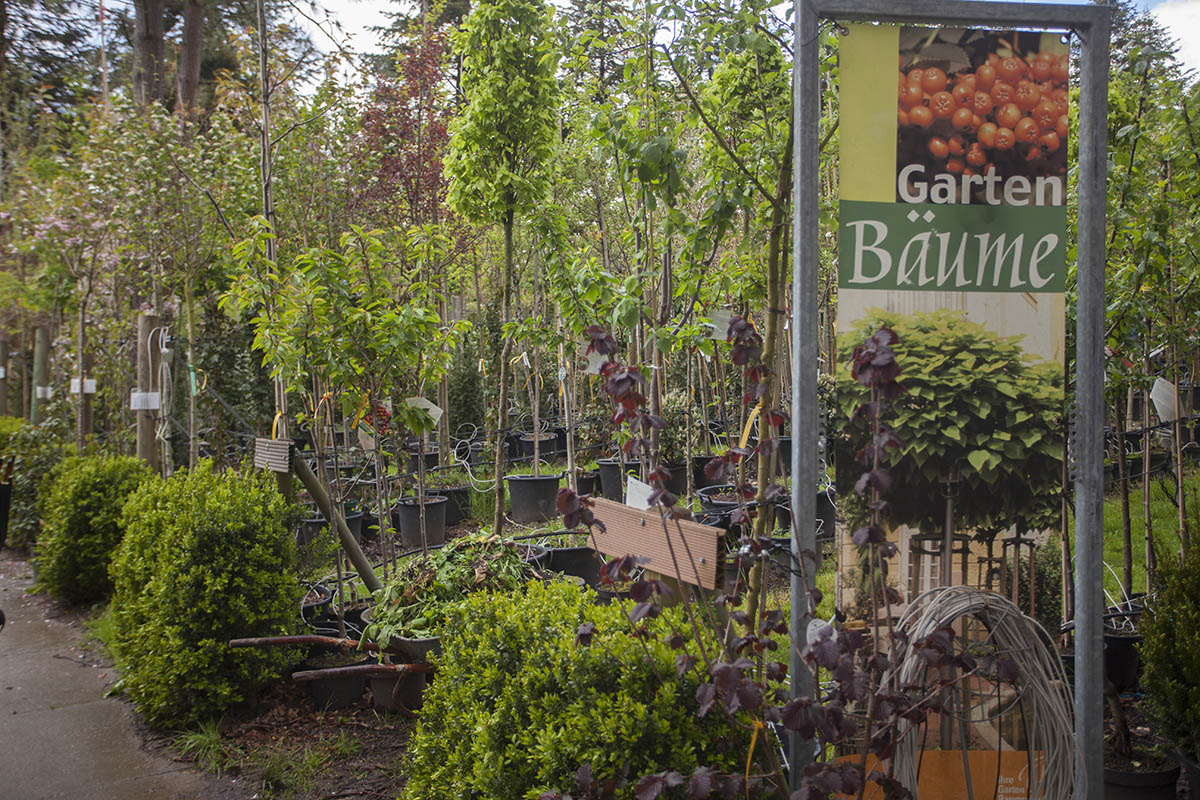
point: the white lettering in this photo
(1017, 183)
(1001, 253)
(942, 190)
(920, 262)
(1056, 191)
(991, 180)
(860, 247)
(959, 264)
(1043, 248)
(919, 184)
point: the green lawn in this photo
(1164, 524)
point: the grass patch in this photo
(1164, 523)
(101, 631)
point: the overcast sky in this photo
(1180, 17)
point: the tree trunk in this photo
(147, 51)
(505, 351)
(3, 375)
(83, 410)
(146, 449)
(187, 84)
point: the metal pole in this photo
(1089, 437)
(806, 108)
(146, 449)
(3, 376)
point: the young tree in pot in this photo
(502, 146)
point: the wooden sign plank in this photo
(273, 454)
(698, 549)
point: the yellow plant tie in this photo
(362, 410)
(275, 425)
(758, 726)
(749, 423)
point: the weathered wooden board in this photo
(273, 454)
(698, 549)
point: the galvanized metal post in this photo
(805, 430)
(1089, 432)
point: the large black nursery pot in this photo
(407, 513)
(311, 527)
(458, 502)
(1156, 785)
(700, 477)
(612, 480)
(588, 483)
(431, 460)
(677, 485)
(533, 496)
(546, 445)
(338, 691)
(1122, 663)
(580, 561)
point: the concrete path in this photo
(59, 736)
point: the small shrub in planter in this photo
(518, 705)
(207, 557)
(1170, 653)
(80, 506)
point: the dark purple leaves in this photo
(584, 635)
(652, 786)
(600, 341)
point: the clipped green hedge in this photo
(35, 450)
(517, 706)
(8, 427)
(207, 557)
(1170, 652)
(80, 505)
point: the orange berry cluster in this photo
(1006, 105)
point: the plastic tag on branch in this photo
(720, 324)
(434, 411)
(3, 373)
(89, 385)
(525, 360)
(1166, 399)
(594, 362)
(144, 401)
(637, 493)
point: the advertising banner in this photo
(952, 231)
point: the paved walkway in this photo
(59, 736)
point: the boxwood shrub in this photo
(35, 450)
(1170, 652)
(517, 706)
(80, 505)
(206, 557)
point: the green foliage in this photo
(1170, 651)
(80, 506)
(8, 428)
(530, 706)
(35, 450)
(1047, 583)
(207, 557)
(976, 405)
(502, 146)
(416, 603)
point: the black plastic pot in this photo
(678, 483)
(1157, 785)
(5, 506)
(826, 514)
(458, 506)
(1121, 660)
(316, 602)
(546, 445)
(533, 496)
(612, 480)
(581, 562)
(391, 692)
(407, 517)
(431, 460)
(709, 498)
(588, 482)
(1192, 770)
(310, 529)
(340, 691)
(700, 479)
(534, 554)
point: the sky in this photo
(1181, 18)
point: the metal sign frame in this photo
(1090, 23)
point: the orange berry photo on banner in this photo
(983, 107)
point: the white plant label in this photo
(434, 411)
(637, 493)
(1164, 397)
(89, 385)
(594, 362)
(720, 324)
(44, 392)
(144, 401)
(3, 373)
